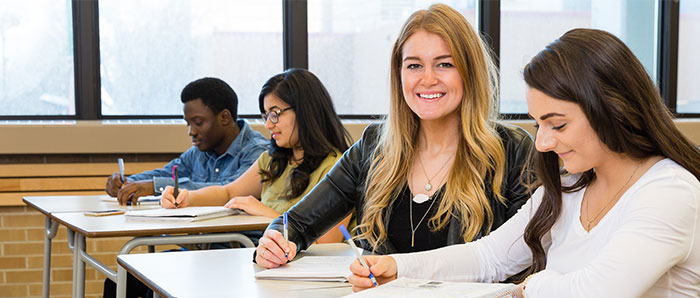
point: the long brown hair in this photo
(600, 73)
(480, 154)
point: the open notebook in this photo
(421, 288)
(180, 214)
(311, 268)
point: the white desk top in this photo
(118, 225)
(54, 204)
(225, 273)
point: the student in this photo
(624, 218)
(439, 171)
(223, 147)
(307, 139)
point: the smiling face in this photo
(565, 130)
(284, 132)
(432, 86)
(205, 128)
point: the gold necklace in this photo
(413, 230)
(588, 212)
(429, 186)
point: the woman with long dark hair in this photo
(307, 138)
(622, 219)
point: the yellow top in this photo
(272, 192)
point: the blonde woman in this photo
(439, 171)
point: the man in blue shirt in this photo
(223, 147)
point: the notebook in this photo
(421, 288)
(181, 214)
(311, 268)
(144, 199)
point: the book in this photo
(421, 288)
(142, 200)
(311, 268)
(181, 214)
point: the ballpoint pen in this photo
(175, 191)
(357, 252)
(286, 233)
(120, 161)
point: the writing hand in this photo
(114, 183)
(168, 200)
(383, 268)
(271, 248)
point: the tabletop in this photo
(119, 225)
(54, 204)
(225, 272)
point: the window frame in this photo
(88, 102)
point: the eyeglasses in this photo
(274, 115)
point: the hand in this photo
(271, 248)
(114, 183)
(132, 190)
(383, 268)
(252, 206)
(168, 200)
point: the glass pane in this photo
(149, 51)
(350, 45)
(36, 58)
(688, 59)
(527, 26)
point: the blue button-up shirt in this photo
(197, 169)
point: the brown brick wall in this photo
(22, 251)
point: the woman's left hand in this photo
(252, 206)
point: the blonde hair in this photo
(480, 154)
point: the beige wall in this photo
(90, 137)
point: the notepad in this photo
(311, 268)
(144, 199)
(181, 214)
(421, 288)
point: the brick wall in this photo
(22, 252)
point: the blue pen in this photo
(286, 233)
(357, 252)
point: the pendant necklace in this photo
(410, 207)
(421, 197)
(588, 212)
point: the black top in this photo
(400, 223)
(342, 191)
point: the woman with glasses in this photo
(307, 138)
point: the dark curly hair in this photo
(215, 94)
(319, 127)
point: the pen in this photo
(175, 191)
(356, 251)
(286, 233)
(120, 161)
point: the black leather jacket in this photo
(343, 191)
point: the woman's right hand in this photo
(271, 250)
(168, 199)
(383, 268)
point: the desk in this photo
(68, 211)
(224, 272)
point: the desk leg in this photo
(78, 266)
(121, 282)
(50, 233)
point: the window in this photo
(350, 44)
(149, 51)
(527, 26)
(688, 59)
(36, 58)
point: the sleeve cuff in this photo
(535, 283)
(159, 184)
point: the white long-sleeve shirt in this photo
(647, 245)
